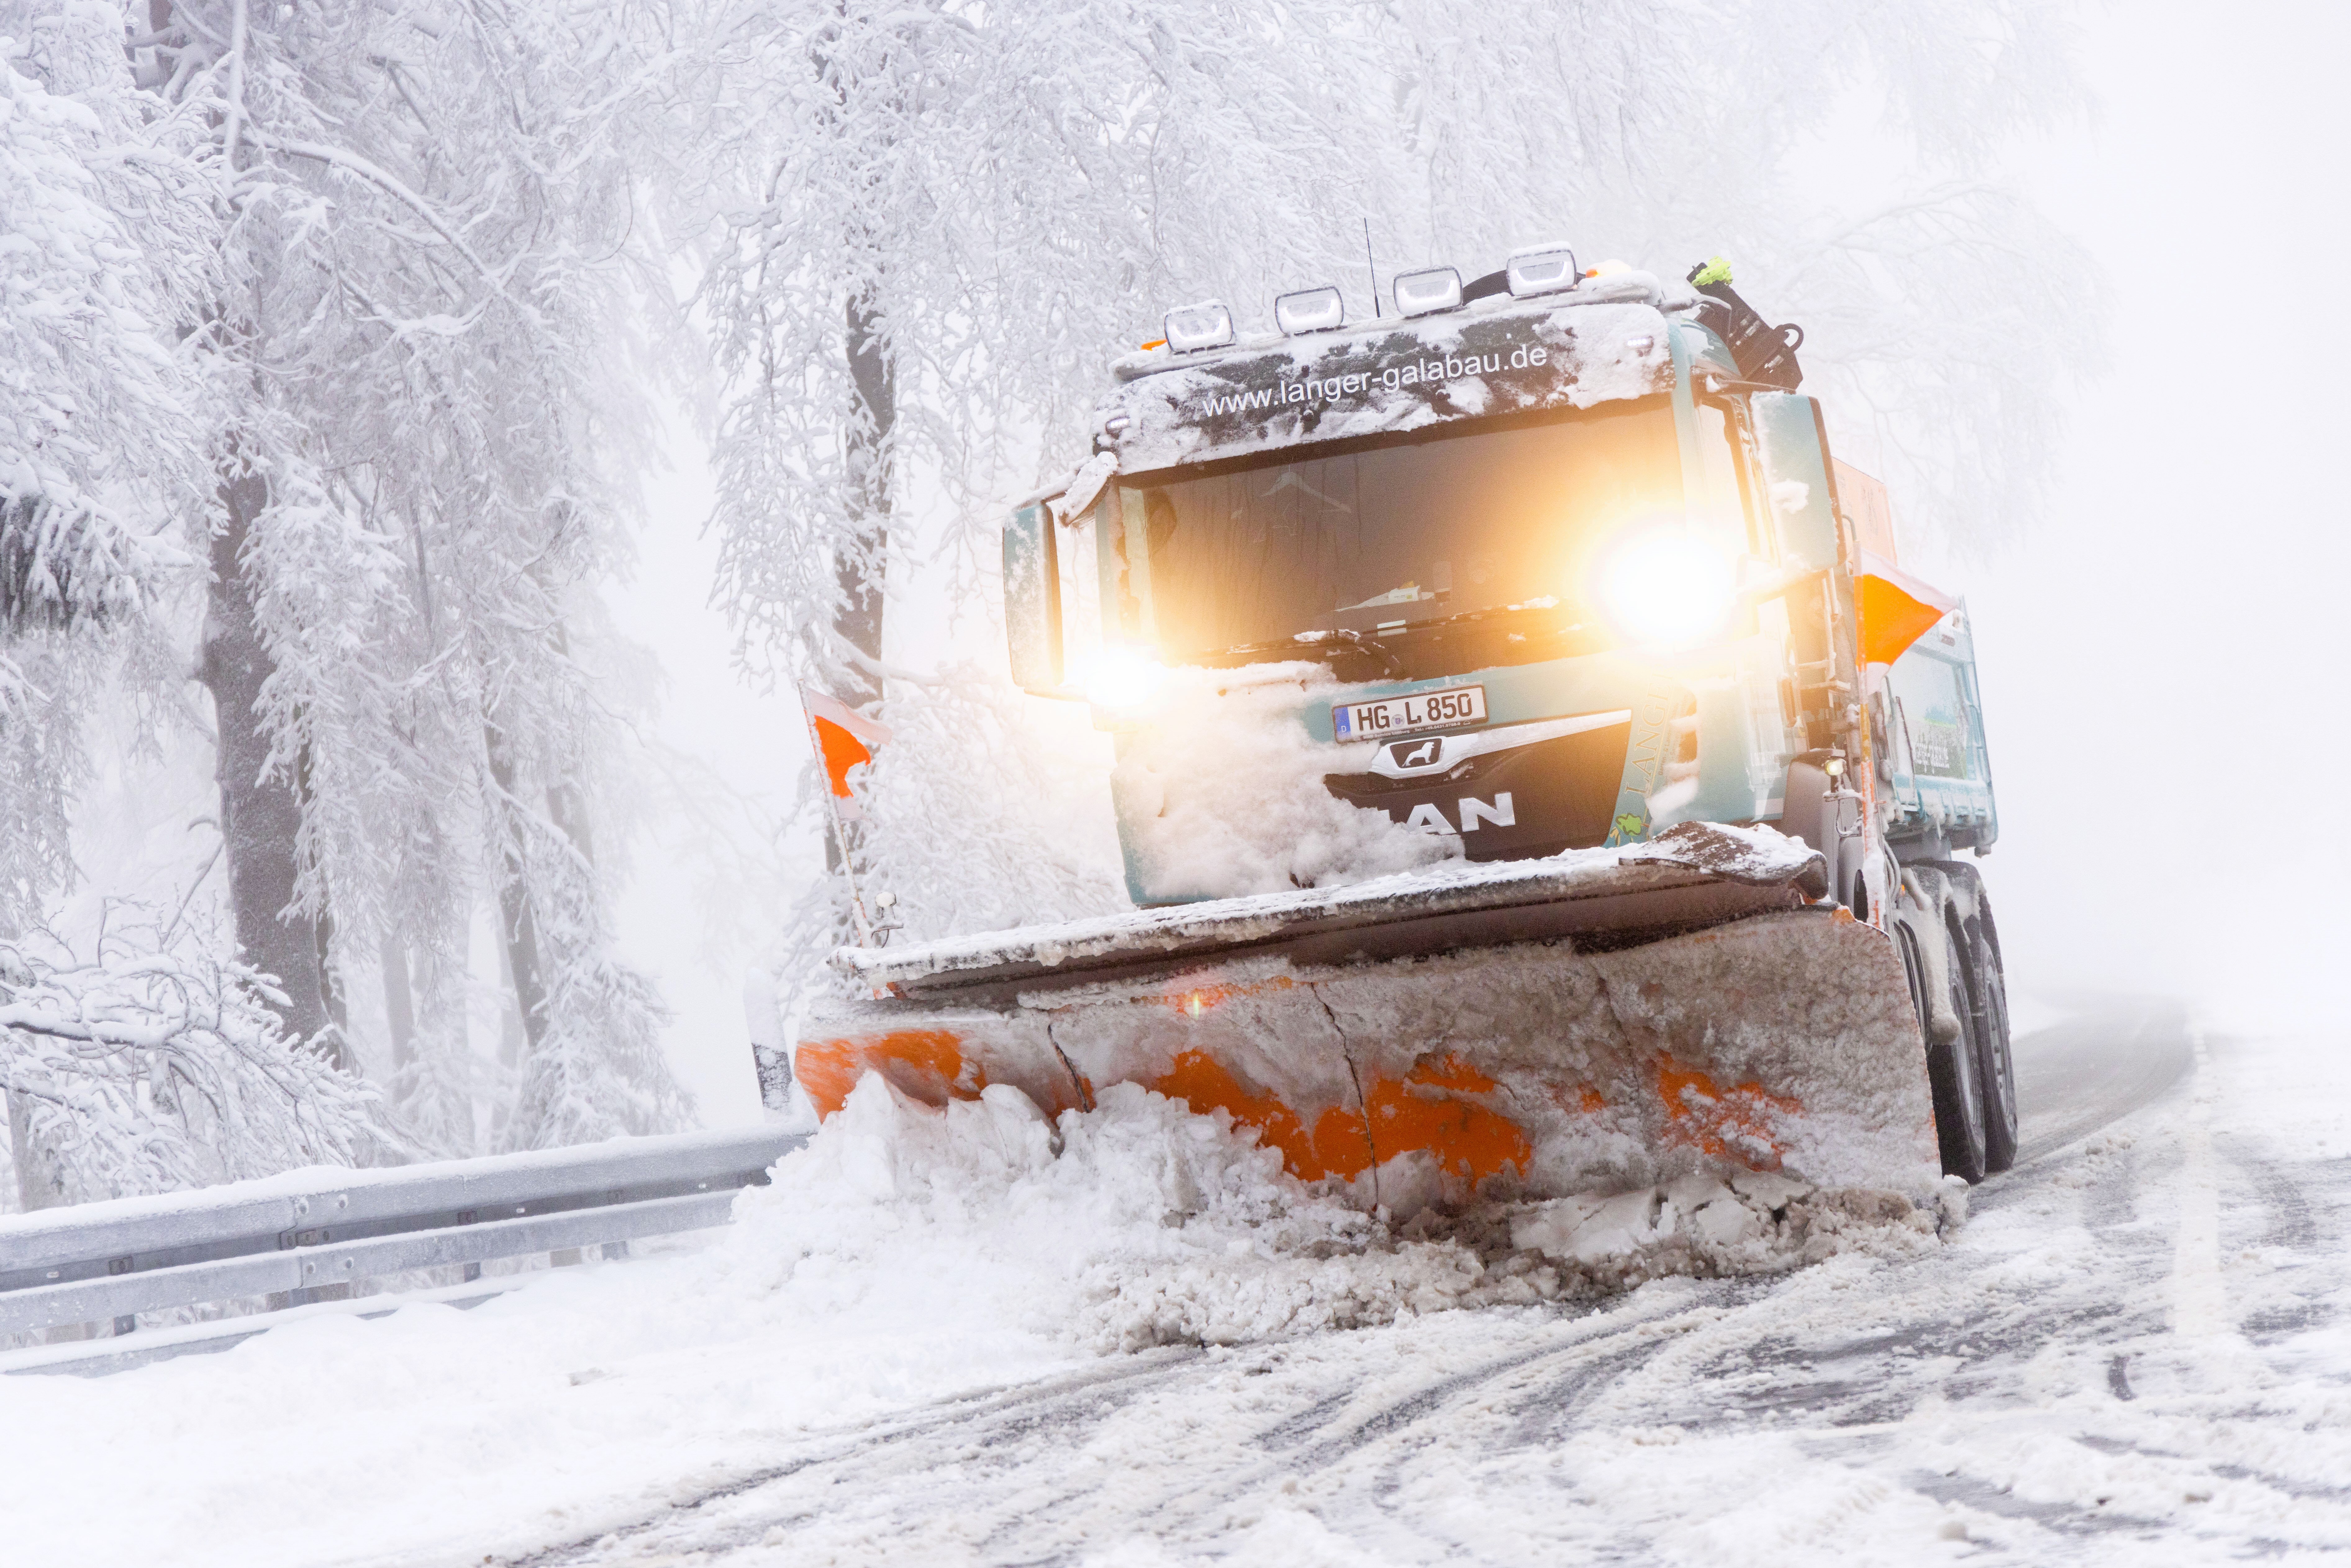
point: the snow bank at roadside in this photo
(1140, 1223)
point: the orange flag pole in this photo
(842, 737)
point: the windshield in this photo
(1377, 540)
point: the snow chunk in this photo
(1760, 854)
(1087, 481)
(1755, 1224)
(1225, 796)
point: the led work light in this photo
(1309, 311)
(1191, 328)
(1541, 269)
(1418, 293)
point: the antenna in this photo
(1372, 268)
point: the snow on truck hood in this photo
(1603, 341)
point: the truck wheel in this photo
(1952, 1071)
(1998, 1069)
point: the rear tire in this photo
(1952, 1071)
(1996, 1071)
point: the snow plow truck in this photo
(1543, 598)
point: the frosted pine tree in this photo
(139, 1064)
(428, 427)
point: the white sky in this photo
(2162, 659)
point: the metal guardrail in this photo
(291, 1237)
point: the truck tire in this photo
(1954, 1069)
(1998, 1069)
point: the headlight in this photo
(1668, 589)
(1124, 679)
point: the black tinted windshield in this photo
(1378, 539)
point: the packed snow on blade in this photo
(1537, 780)
(1455, 1032)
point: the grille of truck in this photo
(1524, 803)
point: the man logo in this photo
(1501, 813)
(1417, 753)
(1430, 818)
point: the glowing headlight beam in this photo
(1668, 589)
(1124, 679)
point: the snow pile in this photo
(1759, 853)
(1757, 1223)
(1140, 1223)
(1224, 795)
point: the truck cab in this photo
(1567, 571)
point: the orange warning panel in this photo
(923, 1064)
(1336, 1146)
(1421, 1111)
(1733, 1124)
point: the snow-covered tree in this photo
(936, 221)
(428, 426)
(100, 244)
(139, 1064)
(1942, 312)
(133, 1068)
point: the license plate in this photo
(1402, 716)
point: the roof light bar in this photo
(1418, 293)
(1541, 269)
(1191, 328)
(1309, 311)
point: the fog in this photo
(2160, 654)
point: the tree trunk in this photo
(518, 931)
(399, 1001)
(874, 411)
(40, 1175)
(261, 817)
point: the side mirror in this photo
(1796, 477)
(1033, 601)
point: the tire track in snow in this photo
(1010, 1409)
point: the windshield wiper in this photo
(1378, 659)
(1331, 648)
(1492, 612)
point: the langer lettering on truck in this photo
(1352, 384)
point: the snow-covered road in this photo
(2137, 1350)
(2081, 1376)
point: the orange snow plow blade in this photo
(1599, 1021)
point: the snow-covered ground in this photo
(913, 1348)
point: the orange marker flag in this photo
(1897, 609)
(845, 738)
